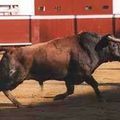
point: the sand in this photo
(82, 105)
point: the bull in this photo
(71, 59)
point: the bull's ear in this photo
(102, 43)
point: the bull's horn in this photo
(114, 39)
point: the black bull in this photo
(71, 59)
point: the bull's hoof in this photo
(24, 106)
(20, 106)
(17, 104)
(60, 97)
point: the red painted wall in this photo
(12, 31)
(42, 27)
(50, 29)
(116, 26)
(98, 25)
(70, 7)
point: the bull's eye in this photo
(114, 46)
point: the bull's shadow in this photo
(113, 92)
(76, 107)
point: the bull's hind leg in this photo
(91, 81)
(70, 90)
(12, 99)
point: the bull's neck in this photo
(104, 55)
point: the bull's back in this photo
(62, 51)
(51, 61)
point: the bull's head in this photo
(11, 70)
(111, 47)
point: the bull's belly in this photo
(58, 74)
(46, 75)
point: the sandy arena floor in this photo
(82, 105)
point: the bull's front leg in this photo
(70, 90)
(12, 99)
(91, 81)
